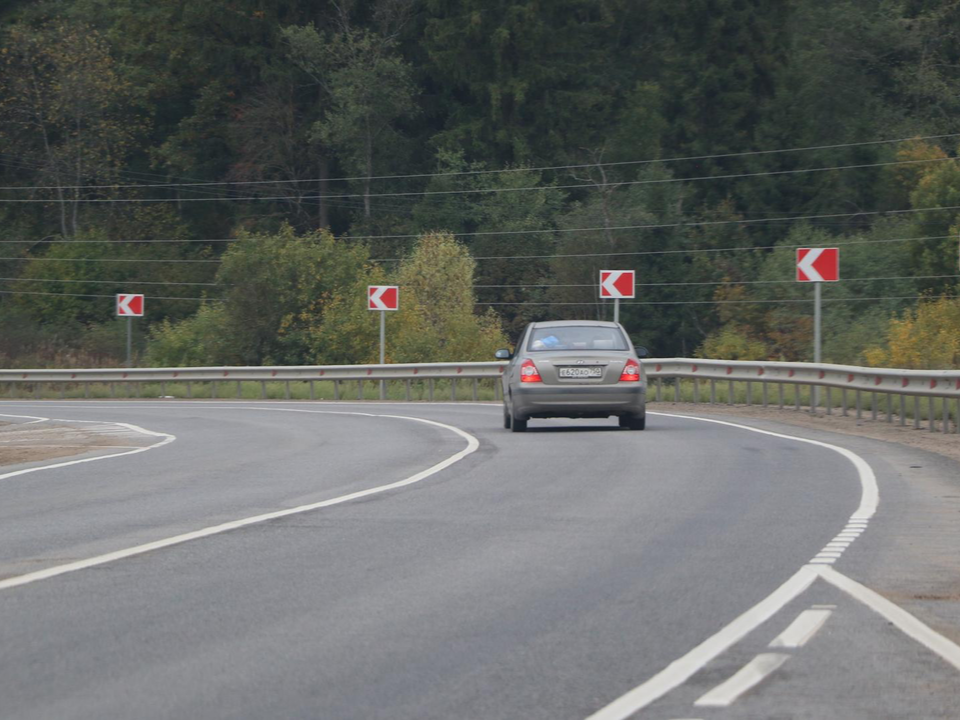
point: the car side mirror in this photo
(503, 355)
(642, 352)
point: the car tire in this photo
(518, 425)
(633, 423)
(506, 417)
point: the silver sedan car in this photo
(576, 369)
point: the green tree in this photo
(68, 112)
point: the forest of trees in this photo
(252, 165)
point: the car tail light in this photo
(529, 372)
(631, 372)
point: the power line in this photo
(723, 282)
(472, 191)
(107, 282)
(112, 297)
(666, 226)
(694, 251)
(731, 302)
(546, 168)
(113, 260)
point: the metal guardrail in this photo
(215, 377)
(860, 389)
(704, 381)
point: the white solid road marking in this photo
(472, 445)
(747, 677)
(167, 439)
(906, 622)
(802, 629)
(679, 671)
(35, 418)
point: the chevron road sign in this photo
(818, 264)
(129, 305)
(383, 297)
(617, 283)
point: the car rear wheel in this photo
(633, 423)
(518, 425)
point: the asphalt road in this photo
(544, 575)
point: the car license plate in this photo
(581, 372)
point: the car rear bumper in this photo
(530, 400)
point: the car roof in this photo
(571, 323)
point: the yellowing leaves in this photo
(925, 338)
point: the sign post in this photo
(817, 266)
(617, 284)
(383, 298)
(129, 306)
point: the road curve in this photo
(541, 576)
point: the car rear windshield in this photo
(576, 337)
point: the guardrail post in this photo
(263, 389)
(496, 389)
(406, 389)
(313, 394)
(359, 389)
(190, 390)
(814, 398)
(859, 405)
(475, 389)
(163, 389)
(112, 393)
(945, 415)
(763, 392)
(780, 394)
(889, 408)
(829, 401)
(843, 402)
(286, 390)
(903, 410)
(873, 406)
(213, 389)
(430, 388)
(453, 389)
(676, 390)
(916, 412)
(730, 393)
(932, 419)
(749, 393)
(796, 397)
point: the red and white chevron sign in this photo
(129, 305)
(383, 297)
(617, 283)
(818, 264)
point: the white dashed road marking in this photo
(802, 629)
(751, 674)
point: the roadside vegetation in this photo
(251, 167)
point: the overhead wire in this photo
(473, 191)
(546, 168)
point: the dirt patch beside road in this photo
(947, 445)
(48, 441)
